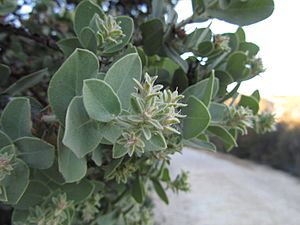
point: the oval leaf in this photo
(120, 77)
(197, 118)
(81, 133)
(17, 182)
(88, 39)
(34, 195)
(67, 82)
(127, 26)
(250, 102)
(4, 140)
(100, 100)
(16, 118)
(69, 45)
(138, 190)
(84, 13)
(223, 134)
(243, 12)
(35, 152)
(160, 191)
(72, 168)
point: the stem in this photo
(196, 15)
(186, 21)
(39, 39)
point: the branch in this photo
(39, 39)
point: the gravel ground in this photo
(230, 191)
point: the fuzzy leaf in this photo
(198, 89)
(34, 195)
(72, 168)
(197, 118)
(4, 140)
(17, 182)
(84, 13)
(97, 155)
(78, 192)
(26, 82)
(100, 100)
(243, 12)
(251, 102)
(223, 134)
(67, 82)
(88, 39)
(160, 191)
(157, 142)
(138, 190)
(81, 133)
(119, 151)
(4, 74)
(120, 77)
(16, 118)
(35, 152)
(127, 26)
(69, 45)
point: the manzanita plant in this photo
(121, 103)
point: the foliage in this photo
(87, 147)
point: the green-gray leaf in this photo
(81, 133)
(34, 195)
(78, 192)
(35, 152)
(127, 26)
(17, 182)
(4, 74)
(16, 118)
(4, 140)
(88, 39)
(69, 45)
(84, 13)
(119, 150)
(138, 190)
(251, 102)
(97, 155)
(197, 118)
(120, 77)
(223, 134)
(27, 82)
(100, 100)
(67, 82)
(198, 89)
(243, 12)
(156, 143)
(152, 32)
(72, 168)
(160, 191)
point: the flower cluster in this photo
(180, 183)
(57, 211)
(6, 164)
(90, 207)
(264, 122)
(155, 113)
(257, 66)
(222, 42)
(109, 30)
(240, 118)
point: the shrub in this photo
(118, 106)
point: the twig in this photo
(39, 39)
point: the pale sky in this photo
(279, 41)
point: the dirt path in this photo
(229, 191)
